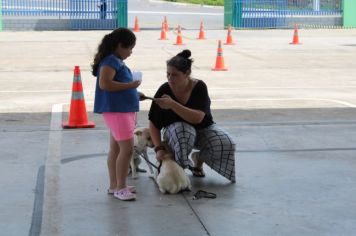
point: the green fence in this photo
(349, 13)
(122, 14)
(285, 13)
(228, 11)
(62, 14)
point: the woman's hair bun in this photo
(185, 53)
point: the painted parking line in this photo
(211, 89)
(52, 207)
(336, 101)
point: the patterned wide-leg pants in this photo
(215, 146)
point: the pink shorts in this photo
(121, 124)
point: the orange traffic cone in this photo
(219, 64)
(229, 40)
(295, 35)
(166, 24)
(201, 31)
(136, 27)
(179, 40)
(78, 117)
(163, 33)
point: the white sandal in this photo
(125, 195)
(131, 188)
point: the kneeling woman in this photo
(181, 113)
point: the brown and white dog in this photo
(142, 140)
(171, 178)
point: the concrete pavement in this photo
(291, 110)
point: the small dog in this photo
(171, 178)
(142, 140)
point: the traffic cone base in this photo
(219, 64)
(219, 69)
(163, 36)
(295, 40)
(66, 125)
(201, 36)
(78, 117)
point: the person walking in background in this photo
(181, 113)
(103, 7)
(117, 99)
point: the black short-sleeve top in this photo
(199, 100)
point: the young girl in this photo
(117, 99)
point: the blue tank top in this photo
(121, 101)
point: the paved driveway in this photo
(291, 110)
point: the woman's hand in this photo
(165, 102)
(141, 96)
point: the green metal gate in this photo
(282, 13)
(62, 15)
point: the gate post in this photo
(0, 15)
(233, 13)
(228, 13)
(237, 20)
(316, 5)
(122, 13)
(349, 16)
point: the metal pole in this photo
(0, 15)
(122, 13)
(349, 17)
(316, 5)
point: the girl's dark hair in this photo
(109, 43)
(181, 61)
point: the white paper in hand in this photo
(137, 75)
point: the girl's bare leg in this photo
(123, 161)
(112, 159)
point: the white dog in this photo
(142, 140)
(171, 178)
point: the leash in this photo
(198, 195)
(203, 194)
(158, 168)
